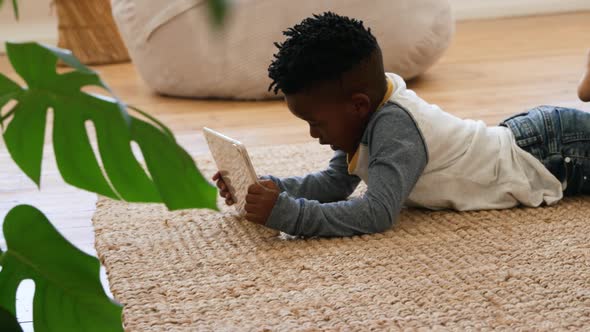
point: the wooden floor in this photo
(494, 68)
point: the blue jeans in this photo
(560, 138)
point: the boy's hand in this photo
(260, 200)
(223, 190)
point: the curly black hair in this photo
(320, 48)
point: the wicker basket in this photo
(87, 28)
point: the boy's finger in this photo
(229, 201)
(270, 184)
(253, 218)
(256, 189)
(216, 176)
(250, 208)
(252, 199)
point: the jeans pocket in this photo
(503, 123)
(526, 133)
(575, 126)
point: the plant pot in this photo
(87, 28)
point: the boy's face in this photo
(334, 119)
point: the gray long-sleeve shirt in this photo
(413, 153)
(316, 205)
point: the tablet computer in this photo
(233, 164)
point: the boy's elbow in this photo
(384, 218)
(383, 225)
(377, 226)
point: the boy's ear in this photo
(361, 104)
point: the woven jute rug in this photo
(518, 269)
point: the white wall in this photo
(39, 22)
(473, 9)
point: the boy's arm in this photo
(397, 158)
(330, 185)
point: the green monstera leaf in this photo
(173, 176)
(68, 293)
(8, 322)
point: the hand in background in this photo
(223, 189)
(584, 86)
(260, 201)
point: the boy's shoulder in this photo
(392, 122)
(389, 117)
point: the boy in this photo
(407, 151)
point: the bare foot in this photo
(584, 87)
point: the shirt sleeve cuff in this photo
(284, 215)
(274, 179)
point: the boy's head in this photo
(330, 69)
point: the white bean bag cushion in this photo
(179, 53)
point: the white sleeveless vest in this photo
(470, 166)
